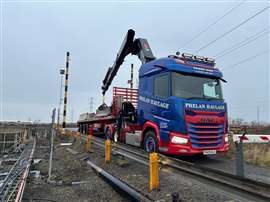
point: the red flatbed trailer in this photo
(119, 95)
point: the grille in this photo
(205, 135)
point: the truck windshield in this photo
(189, 86)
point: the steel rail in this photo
(13, 186)
(9, 173)
(25, 175)
(124, 188)
(239, 188)
(9, 193)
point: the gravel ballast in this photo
(67, 168)
(137, 175)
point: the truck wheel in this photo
(86, 129)
(150, 142)
(108, 134)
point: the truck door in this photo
(161, 107)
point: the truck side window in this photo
(161, 86)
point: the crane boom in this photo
(139, 47)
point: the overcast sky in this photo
(37, 34)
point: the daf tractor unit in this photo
(178, 109)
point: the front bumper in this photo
(187, 150)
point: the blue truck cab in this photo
(181, 98)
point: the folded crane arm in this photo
(139, 47)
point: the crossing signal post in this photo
(62, 72)
(66, 91)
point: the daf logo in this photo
(207, 120)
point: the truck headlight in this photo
(226, 139)
(179, 140)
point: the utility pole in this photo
(137, 83)
(62, 72)
(258, 116)
(91, 104)
(130, 81)
(66, 91)
(72, 114)
(131, 76)
(52, 136)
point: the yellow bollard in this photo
(107, 151)
(153, 182)
(78, 135)
(88, 143)
(59, 130)
(67, 133)
(62, 131)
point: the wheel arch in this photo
(150, 126)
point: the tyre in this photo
(86, 129)
(83, 128)
(108, 134)
(150, 142)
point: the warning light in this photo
(187, 55)
(200, 58)
(210, 60)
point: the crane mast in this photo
(139, 47)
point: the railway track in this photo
(14, 183)
(235, 187)
(123, 188)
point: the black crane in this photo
(139, 47)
